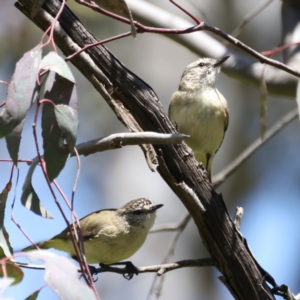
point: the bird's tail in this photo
(43, 245)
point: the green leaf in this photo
(33, 296)
(32, 202)
(30, 198)
(67, 120)
(54, 133)
(12, 270)
(21, 91)
(53, 62)
(4, 237)
(13, 141)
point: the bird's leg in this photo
(208, 174)
(208, 156)
(132, 269)
(93, 271)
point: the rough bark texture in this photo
(138, 108)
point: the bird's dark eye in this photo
(138, 212)
(201, 64)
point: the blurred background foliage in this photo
(266, 186)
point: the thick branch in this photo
(134, 101)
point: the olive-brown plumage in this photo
(200, 110)
(110, 235)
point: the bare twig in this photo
(180, 228)
(86, 47)
(263, 106)
(30, 266)
(83, 263)
(239, 29)
(159, 269)
(261, 58)
(240, 67)
(199, 27)
(172, 227)
(197, 6)
(164, 268)
(117, 140)
(223, 175)
(238, 217)
(279, 49)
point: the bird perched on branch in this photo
(200, 110)
(109, 235)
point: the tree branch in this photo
(172, 227)
(249, 151)
(257, 10)
(137, 105)
(240, 67)
(162, 269)
(238, 217)
(159, 269)
(118, 140)
(179, 228)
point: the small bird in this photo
(109, 235)
(200, 110)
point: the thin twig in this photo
(117, 140)
(240, 67)
(238, 217)
(196, 6)
(171, 227)
(196, 20)
(30, 266)
(88, 46)
(239, 29)
(180, 228)
(261, 58)
(159, 269)
(83, 264)
(279, 49)
(199, 27)
(12, 211)
(162, 269)
(4, 82)
(263, 105)
(224, 174)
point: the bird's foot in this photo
(93, 271)
(129, 267)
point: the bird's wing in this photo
(226, 122)
(90, 226)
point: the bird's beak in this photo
(155, 207)
(220, 61)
